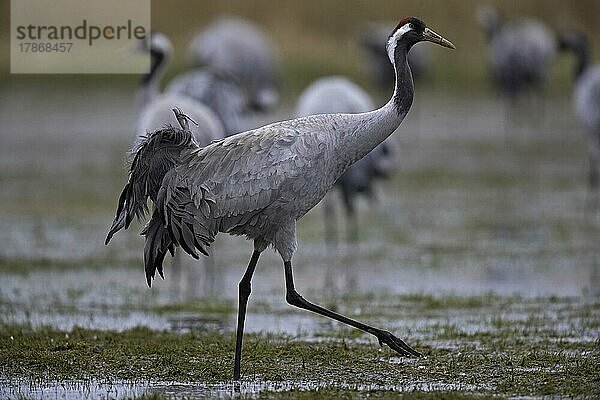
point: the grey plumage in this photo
(586, 98)
(161, 50)
(260, 182)
(243, 51)
(520, 52)
(337, 94)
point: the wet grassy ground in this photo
(484, 345)
(479, 252)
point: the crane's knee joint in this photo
(244, 288)
(294, 298)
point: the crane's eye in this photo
(411, 26)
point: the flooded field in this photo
(482, 251)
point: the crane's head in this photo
(489, 19)
(153, 43)
(577, 43)
(573, 40)
(411, 30)
(160, 48)
(157, 42)
(183, 119)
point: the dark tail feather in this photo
(121, 217)
(158, 242)
(185, 228)
(174, 221)
(155, 155)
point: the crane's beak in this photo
(431, 36)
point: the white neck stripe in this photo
(393, 40)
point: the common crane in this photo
(586, 98)
(243, 51)
(226, 97)
(155, 108)
(260, 182)
(520, 53)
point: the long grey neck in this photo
(494, 24)
(583, 60)
(404, 88)
(149, 89)
(366, 131)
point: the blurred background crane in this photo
(520, 52)
(337, 94)
(586, 102)
(243, 51)
(225, 97)
(155, 107)
(237, 74)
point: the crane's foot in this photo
(397, 344)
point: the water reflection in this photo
(93, 389)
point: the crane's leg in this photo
(384, 337)
(594, 183)
(593, 201)
(594, 177)
(244, 289)
(351, 222)
(330, 223)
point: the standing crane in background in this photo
(221, 93)
(258, 183)
(155, 108)
(242, 51)
(520, 53)
(586, 100)
(238, 74)
(332, 95)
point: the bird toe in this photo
(397, 344)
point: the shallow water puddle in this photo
(105, 298)
(93, 389)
